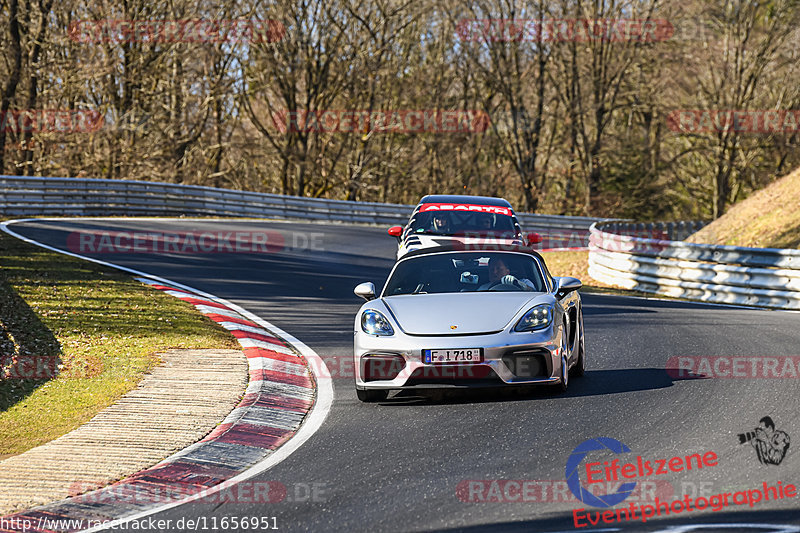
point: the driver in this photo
(500, 274)
(441, 223)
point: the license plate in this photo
(461, 355)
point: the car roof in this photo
(479, 248)
(464, 199)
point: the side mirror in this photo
(395, 231)
(366, 290)
(534, 238)
(566, 284)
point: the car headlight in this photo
(538, 317)
(375, 323)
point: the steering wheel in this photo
(499, 286)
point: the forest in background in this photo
(563, 120)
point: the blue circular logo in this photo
(574, 481)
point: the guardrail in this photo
(765, 277)
(644, 257)
(23, 196)
(34, 196)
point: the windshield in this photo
(466, 272)
(454, 222)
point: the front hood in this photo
(471, 313)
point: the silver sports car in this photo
(449, 317)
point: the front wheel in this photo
(564, 382)
(580, 365)
(371, 395)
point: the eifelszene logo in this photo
(770, 443)
(573, 480)
(617, 471)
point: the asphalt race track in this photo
(406, 464)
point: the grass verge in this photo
(575, 264)
(769, 218)
(75, 337)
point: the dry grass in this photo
(769, 218)
(575, 264)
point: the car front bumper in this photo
(509, 358)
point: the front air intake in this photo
(381, 367)
(528, 363)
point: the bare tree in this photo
(14, 59)
(747, 49)
(578, 123)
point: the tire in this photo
(371, 395)
(580, 366)
(562, 385)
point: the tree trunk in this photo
(10, 91)
(26, 168)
